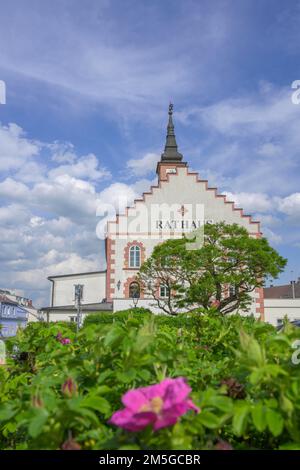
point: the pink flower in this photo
(62, 340)
(65, 341)
(159, 405)
(215, 303)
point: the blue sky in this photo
(88, 85)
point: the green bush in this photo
(106, 317)
(55, 395)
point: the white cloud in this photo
(253, 202)
(15, 148)
(62, 152)
(86, 167)
(14, 190)
(36, 221)
(269, 149)
(66, 196)
(290, 205)
(72, 263)
(14, 215)
(268, 220)
(269, 108)
(274, 238)
(144, 165)
(32, 172)
(119, 195)
(48, 219)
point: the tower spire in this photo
(171, 153)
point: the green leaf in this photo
(129, 447)
(114, 336)
(126, 377)
(259, 417)
(103, 389)
(290, 446)
(6, 413)
(223, 404)
(275, 422)
(240, 419)
(255, 352)
(209, 420)
(286, 404)
(256, 375)
(96, 403)
(144, 374)
(37, 423)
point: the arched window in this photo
(134, 256)
(134, 290)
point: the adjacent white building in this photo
(281, 301)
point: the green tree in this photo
(223, 272)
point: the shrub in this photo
(56, 395)
(105, 317)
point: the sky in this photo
(87, 91)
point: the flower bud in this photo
(70, 444)
(69, 388)
(37, 402)
(223, 445)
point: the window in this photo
(233, 290)
(164, 291)
(279, 321)
(134, 290)
(134, 256)
(78, 292)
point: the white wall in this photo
(277, 309)
(62, 316)
(124, 304)
(93, 290)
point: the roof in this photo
(5, 299)
(76, 274)
(171, 153)
(286, 291)
(98, 307)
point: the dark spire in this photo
(171, 153)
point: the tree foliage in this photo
(227, 268)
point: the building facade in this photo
(180, 203)
(12, 317)
(24, 302)
(282, 301)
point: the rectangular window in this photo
(78, 292)
(134, 256)
(164, 291)
(233, 290)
